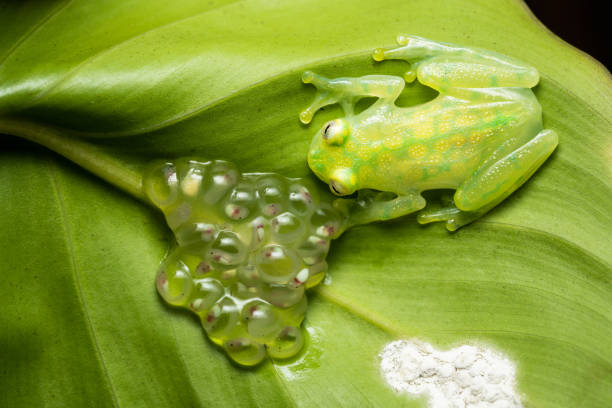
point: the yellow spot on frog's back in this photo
(445, 121)
(476, 137)
(366, 174)
(433, 163)
(393, 141)
(423, 129)
(385, 158)
(417, 151)
(488, 116)
(457, 140)
(467, 119)
(363, 153)
(409, 171)
(481, 135)
(442, 145)
(341, 160)
(367, 141)
(434, 159)
(422, 122)
(455, 155)
(458, 168)
(386, 164)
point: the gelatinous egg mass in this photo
(248, 246)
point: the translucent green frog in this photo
(482, 135)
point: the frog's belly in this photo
(441, 144)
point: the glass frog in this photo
(481, 136)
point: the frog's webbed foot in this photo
(444, 210)
(348, 91)
(443, 65)
(493, 182)
(329, 91)
(454, 217)
(412, 49)
(371, 206)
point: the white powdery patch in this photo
(464, 377)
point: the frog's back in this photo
(436, 144)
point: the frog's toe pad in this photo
(429, 215)
(306, 116)
(454, 217)
(410, 76)
(453, 225)
(378, 54)
(307, 77)
(402, 40)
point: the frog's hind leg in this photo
(490, 185)
(454, 217)
(442, 65)
(348, 91)
(448, 212)
(443, 210)
(457, 71)
(500, 179)
(370, 206)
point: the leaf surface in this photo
(114, 84)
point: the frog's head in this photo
(326, 151)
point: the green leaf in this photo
(113, 84)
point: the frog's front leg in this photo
(348, 91)
(493, 182)
(444, 66)
(369, 206)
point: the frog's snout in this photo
(314, 154)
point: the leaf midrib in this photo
(201, 108)
(296, 70)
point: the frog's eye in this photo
(337, 188)
(335, 132)
(342, 182)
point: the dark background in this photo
(580, 23)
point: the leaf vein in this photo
(564, 241)
(363, 313)
(74, 71)
(181, 358)
(35, 28)
(390, 328)
(75, 275)
(281, 381)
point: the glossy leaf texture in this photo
(112, 85)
